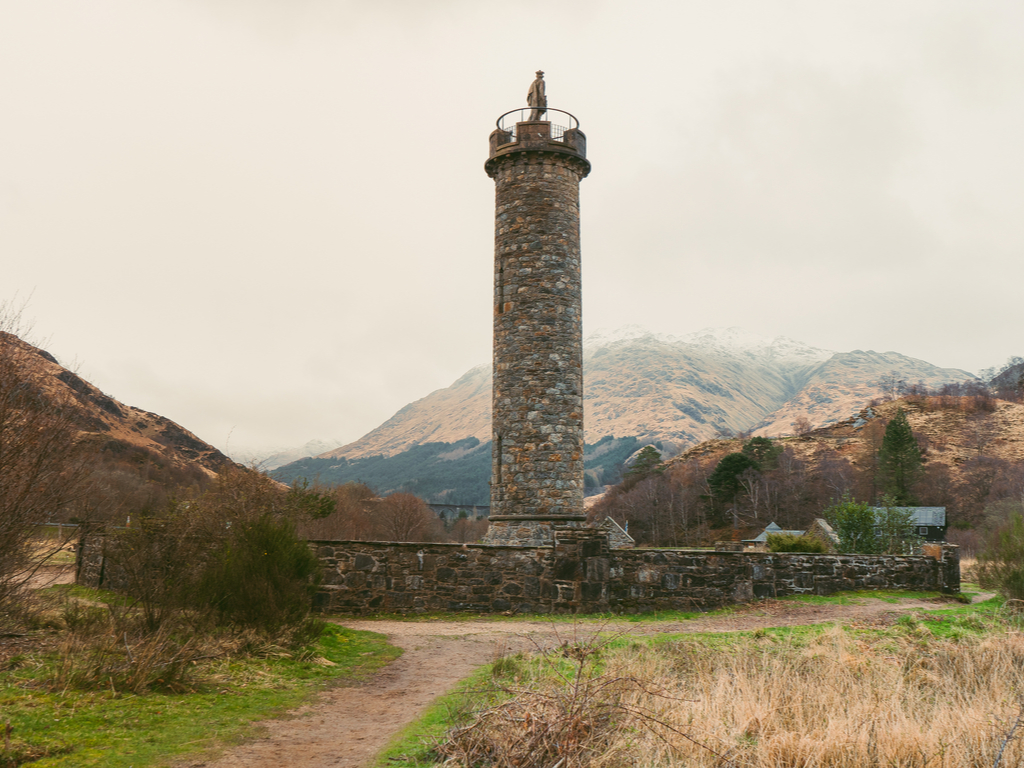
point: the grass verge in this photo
(102, 728)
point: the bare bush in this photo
(43, 468)
(405, 517)
(228, 557)
(125, 657)
(569, 720)
(802, 425)
(351, 520)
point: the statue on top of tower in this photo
(536, 98)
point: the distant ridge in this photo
(676, 390)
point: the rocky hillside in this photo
(678, 391)
(949, 436)
(444, 416)
(1010, 379)
(115, 429)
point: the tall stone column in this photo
(537, 413)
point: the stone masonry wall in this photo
(581, 574)
(537, 413)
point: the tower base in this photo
(510, 531)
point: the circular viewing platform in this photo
(515, 132)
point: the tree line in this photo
(699, 500)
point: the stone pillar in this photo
(537, 413)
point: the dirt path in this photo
(48, 575)
(347, 726)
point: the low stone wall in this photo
(580, 573)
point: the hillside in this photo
(972, 449)
(444, 473)
(128, 438)
(949, 436)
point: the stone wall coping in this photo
(421, 544)
(773, 554)
(544, 519)
(629, 554)
(634, 550)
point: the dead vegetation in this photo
(925, 691)
(569, 722)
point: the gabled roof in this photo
(617, 532)
(762, 538)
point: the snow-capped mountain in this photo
(679, 390)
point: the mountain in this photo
(841, 385)
(639, 388)
(269, 461)
(675, 390)
(444, 416)
(951, 432)
(126, 438)
(445, 473)
(972, 454)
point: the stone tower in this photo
(537, 399)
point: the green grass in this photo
(86, 594)
(99, 728)
(851, 598)
(410, 748)
(554, 618)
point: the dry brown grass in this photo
(969, 569)
(839, 699)
(843, 702)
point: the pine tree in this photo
(647, 463)
(899, 460)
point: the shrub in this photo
(263, 576)
(1001, 565)
(895, 530)
(43, 464)
(854, 524)
(230, 557)
(787, 542)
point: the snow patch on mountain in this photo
(678, 390)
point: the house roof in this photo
(935, 516)
(616, 530)
(762, 538)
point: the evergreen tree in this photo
(899, 461)
(725, 480)
(763, 451)
(647, 463)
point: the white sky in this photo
(269, 221)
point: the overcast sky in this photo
(269, 221)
